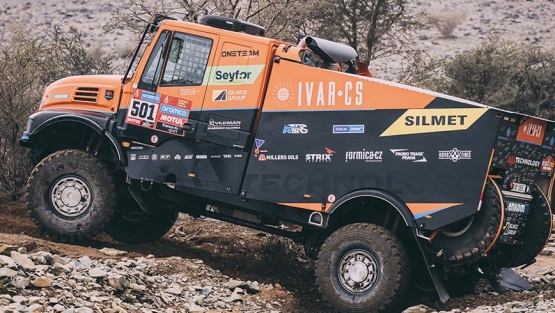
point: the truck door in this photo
(167, 100)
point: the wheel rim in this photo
(458, 228)
(70, 196)
(358, 271)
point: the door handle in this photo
(189, 126)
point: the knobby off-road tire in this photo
(363, 268)
(71, 195)
(468, 239)
(536, 234)
(130, 225)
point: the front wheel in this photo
(363, 268)
(71, 195)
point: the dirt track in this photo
(240, 253)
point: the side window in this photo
(187, 60)
(151, 73)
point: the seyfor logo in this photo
(320, 157)
(455, 155)
(420, 121)
(348, 129)
(295, 129)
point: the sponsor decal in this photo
(420, 121)
(531, 131)
(227, 156)
(518, 187)
(278, 157)
(171, 129)
(234, 74)
(241, 53)
(59, 96)
(455, 155)
(229, 95)
(320, 157)
(171, 119)
(295, 129)
(154, 139)
(329, 94)
(136, 148)
(508, 133)
(154, 157)
(109, 94)
(547, 165)
(165, 157)
(188, 157)
(133, 157)
(174, 111)
(283, 94)
(364, 155)
(512, 160)
(517, 207)
(201, 157)
(238, 155)
(182, 103)
(144, 157)
(407, 155)
(223, 125)
(177, 157)
(348, 129)
(150, 96)
(258, 143)
(331, 198)
(218, 156)
(143, 111)
(187, 91)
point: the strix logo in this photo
(295, 129)
(320, 157)
(455, 155)
(348, 129)
(406, 155)
(547, 165)
(420, 121)
(531, 131)
(363, 155)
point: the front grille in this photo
(86, 94)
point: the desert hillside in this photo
(524, 21)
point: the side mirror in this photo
(175, 50)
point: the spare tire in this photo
(469, 238)
(536, 234)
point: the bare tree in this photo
(375, 28)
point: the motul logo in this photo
(511, 161)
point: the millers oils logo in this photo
(320, 157)
(420, 121)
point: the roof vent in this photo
(232, 24)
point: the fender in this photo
(98, 121)
(393, 200)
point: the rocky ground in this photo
(201, 266)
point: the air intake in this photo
(86, 94)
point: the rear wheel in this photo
(363, 268)
(71, 195)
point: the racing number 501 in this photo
(143, 110)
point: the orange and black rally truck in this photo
(394, 188)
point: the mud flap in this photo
(508, 280)
(432, 270)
